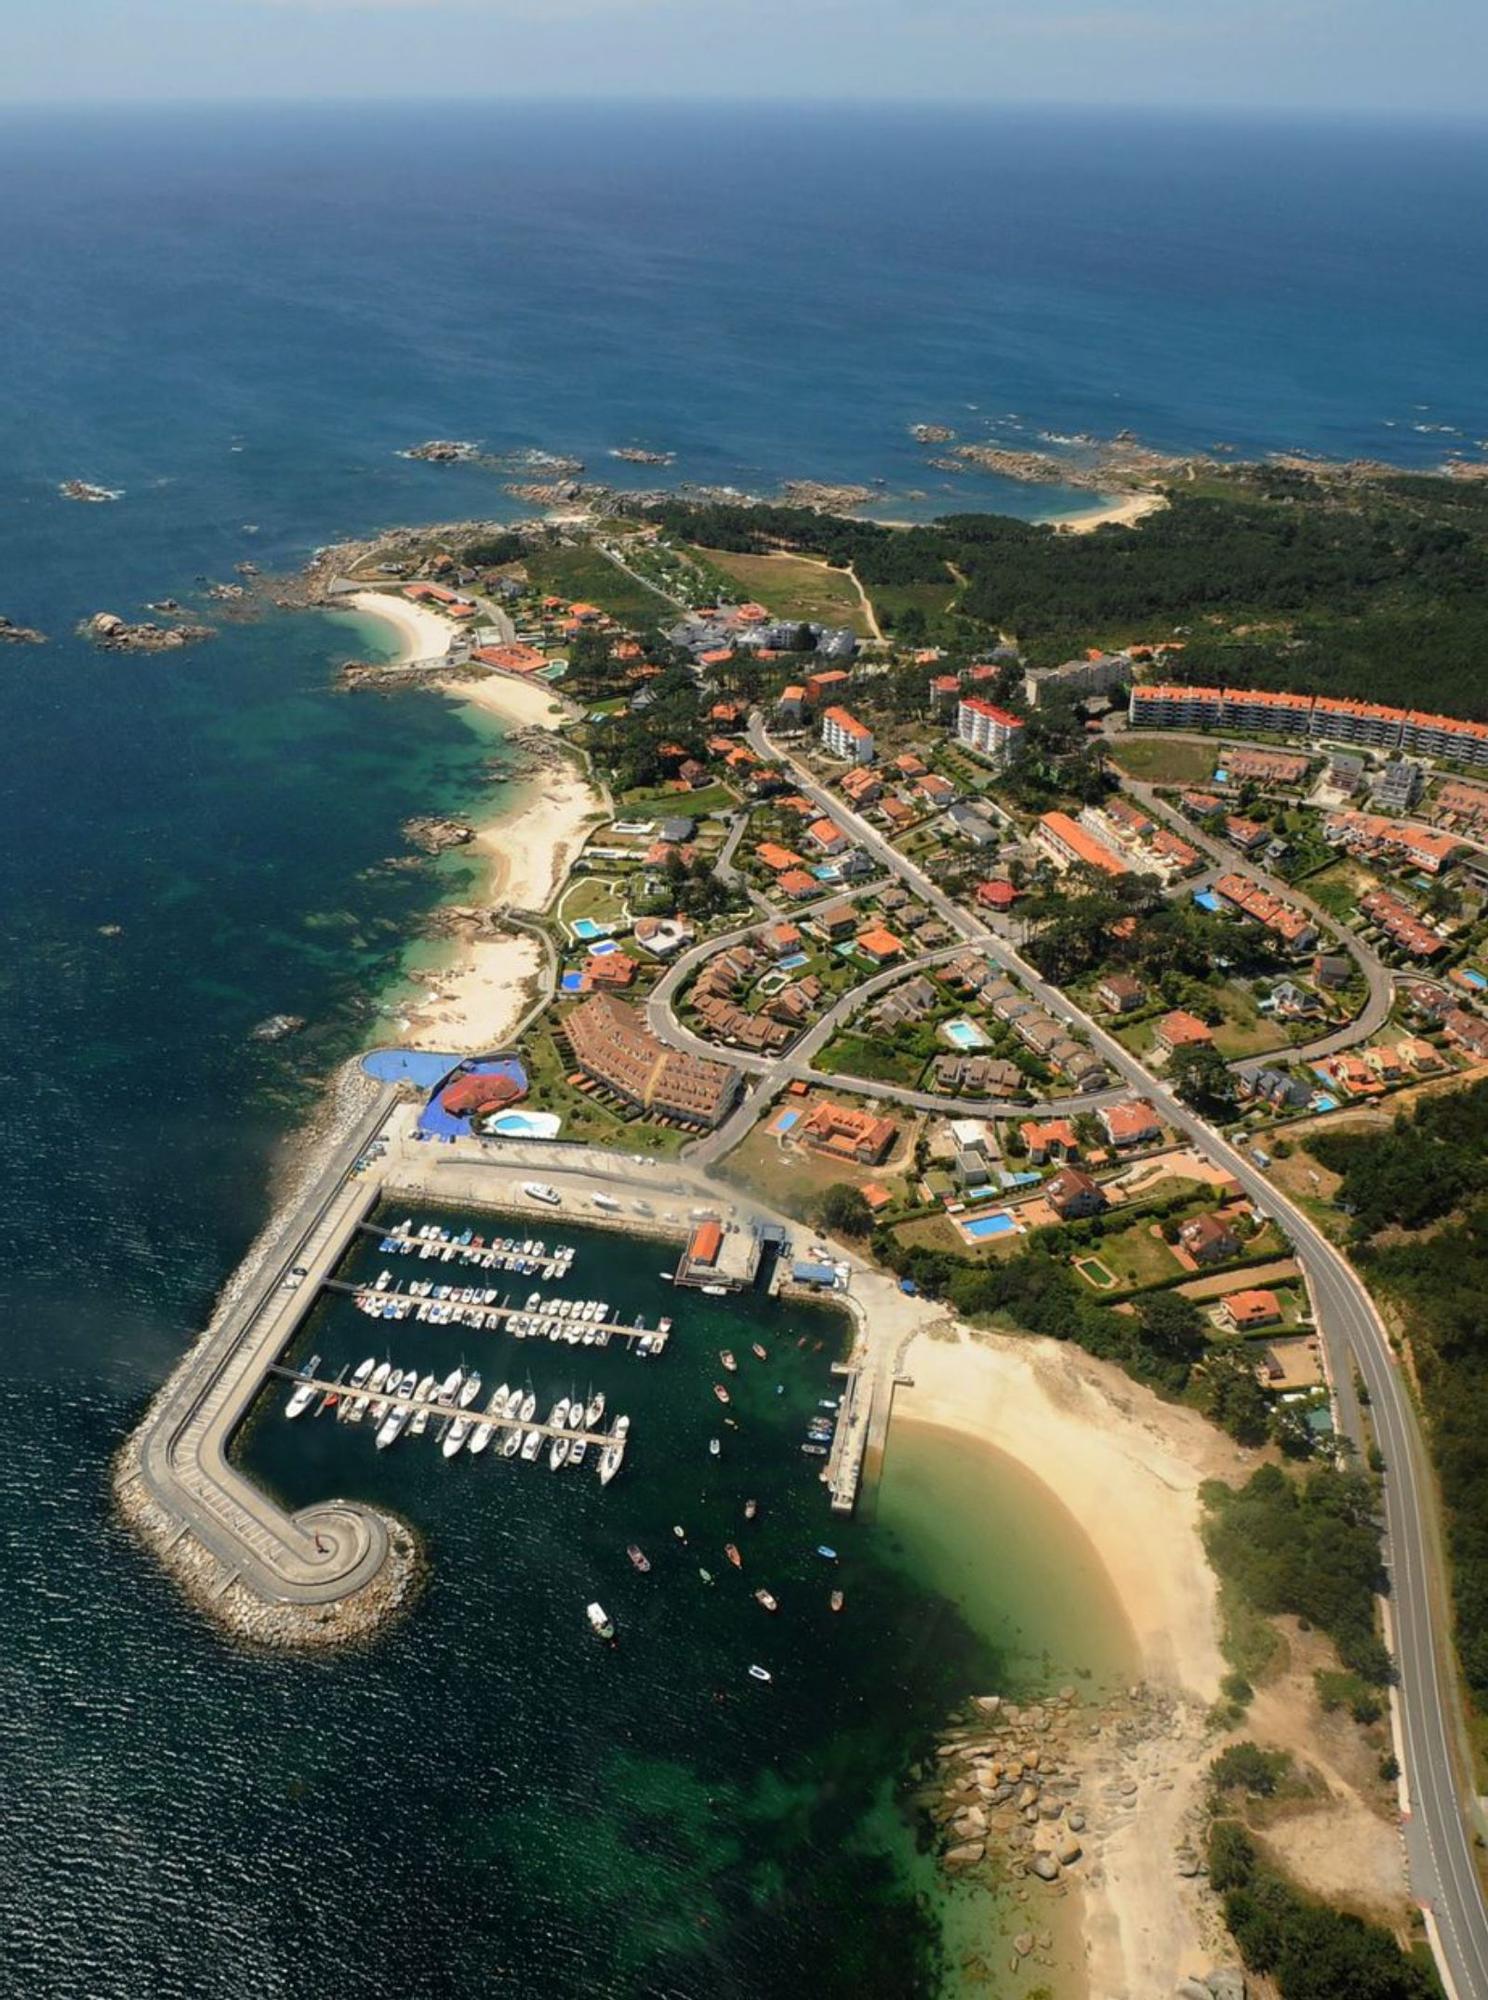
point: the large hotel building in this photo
(1324, 718)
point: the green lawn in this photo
(1338, 889)
(595, 896)
(1135, 1257)
(683, 805)
(1246, 1031)
(1159, 760)
(792, 588)
(583, 575)
(582, 1117)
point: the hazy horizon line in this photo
(778, 103)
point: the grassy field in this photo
(1338, 889)
(1246, 1030)
(1135, 1257)
(583, 575)
(793, 588)
(932, 600)
(1159, 760)
(593, 896)
(681, 805)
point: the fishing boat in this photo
(751, 1508)
(728, 1360)
(827, 1555)
(760, 1674)
(599, 1624)
(764, 1597)
(757, 1351)
(837, 1600)
(733, 1555)
(814, 1450)
(303, 1394)
(720, 1392)
(640, 1561)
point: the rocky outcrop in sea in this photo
(113, 634)
(20, 635)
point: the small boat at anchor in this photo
(599, 1624)
(721, 1393)
(641, 1561)
(751, 1508)
(760, 1674)
(680, 1533)
(837, 1600)
(728, 1360)
(764, 1597)
(733, 1555)
(757, 1351)
(714, 1447)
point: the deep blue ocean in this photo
(238, 320)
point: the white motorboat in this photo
(303, 1395)
(531, 1445)
(594, 1410)
(421, 1395)
(529, 1407)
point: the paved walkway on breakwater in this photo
(324, 1553)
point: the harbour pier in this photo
(465, 1413)
(482, 1315)
(339, 1569)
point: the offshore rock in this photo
(433, 835)
(20, 635)
(113, 634)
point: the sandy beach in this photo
(422, 634)
(471, 1005)
(1122, 512)
(1128, 1468)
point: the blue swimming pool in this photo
(586, 928)
(963, 1034)
(1207, 900)
(786, 1119)
(603, 948)
(527, 1125)
(1474, 979)
(796, 958)
(572, 982)
(981, 1226)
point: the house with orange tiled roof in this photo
(797, 884)
(513, 659)
(778, 859)
(880, 945)
(844, 1132)
(1181, 1030)
(828, 836)
(1055, 1139)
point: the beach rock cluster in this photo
(443, 451)
(88, 493)
(1223, 1983)
(433, 835)
(634, 454)
(20, 635)
(115, 635)
(829, 498)
(932, 433)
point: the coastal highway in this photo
(1438, 1829)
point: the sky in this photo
(1407, 56)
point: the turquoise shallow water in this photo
(209, 314)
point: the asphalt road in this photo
(1438, 1831)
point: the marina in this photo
(327, 1387)
(481, 1310)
